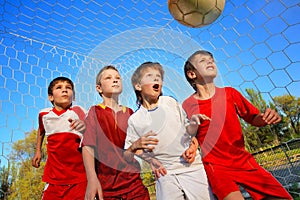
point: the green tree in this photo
(5, 182)
(289, 106)
(258, 138)
(26, 180)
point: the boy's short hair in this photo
(138, 74)
(57, 80)
(188, 66)
(98, 77)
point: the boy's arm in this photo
(93, 188)
(38, 150)
(270, 116)
(143, 147)
(157, 168)
(146, 142)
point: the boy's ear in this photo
(138, 87)
(50, 97)
(191, 74)
(98, 88)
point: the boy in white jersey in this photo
(63, 126)
(164, 116)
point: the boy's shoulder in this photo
(168, 99)
(46, 110)
(100, 108)
(78, 108)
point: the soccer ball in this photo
(196, 13)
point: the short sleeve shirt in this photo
(168, 120)
(106, 133)
(64, 163)
(221, 139)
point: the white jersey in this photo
(169, 121)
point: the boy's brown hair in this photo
(188, 66)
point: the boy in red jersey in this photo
(63, 126)
(226, 161)
(110, 176)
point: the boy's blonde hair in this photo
(98, 77)
(138, 74)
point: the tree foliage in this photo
(289, 106)
(26, 180)
(5, 182)
(259, 138)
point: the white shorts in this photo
(185, 186)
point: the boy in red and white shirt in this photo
(63, 126)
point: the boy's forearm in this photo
(194, 143)
(89, 162)
(257, 121)
(147, 156)
(131, 152)
(40, 139)
(192, 129)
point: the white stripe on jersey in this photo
(54, 123)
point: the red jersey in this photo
(64, 163)
(106, 132)
(221, 139)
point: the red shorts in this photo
(258, 182)
(139, 193)
(64, 192)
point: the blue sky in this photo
(256, 45)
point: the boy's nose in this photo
(156, 79)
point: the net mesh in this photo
(255, 43)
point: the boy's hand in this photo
(157, 168)
(93, 190)
(77, 125)
(190, 154)
(37, 159)
(198, 118)
(147, 142)
(270, 116)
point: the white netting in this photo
(256, 45)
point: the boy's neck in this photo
(205, 91)
(150, 104)
(112, 103)
(62, 107)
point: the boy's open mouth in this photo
(156, 86)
